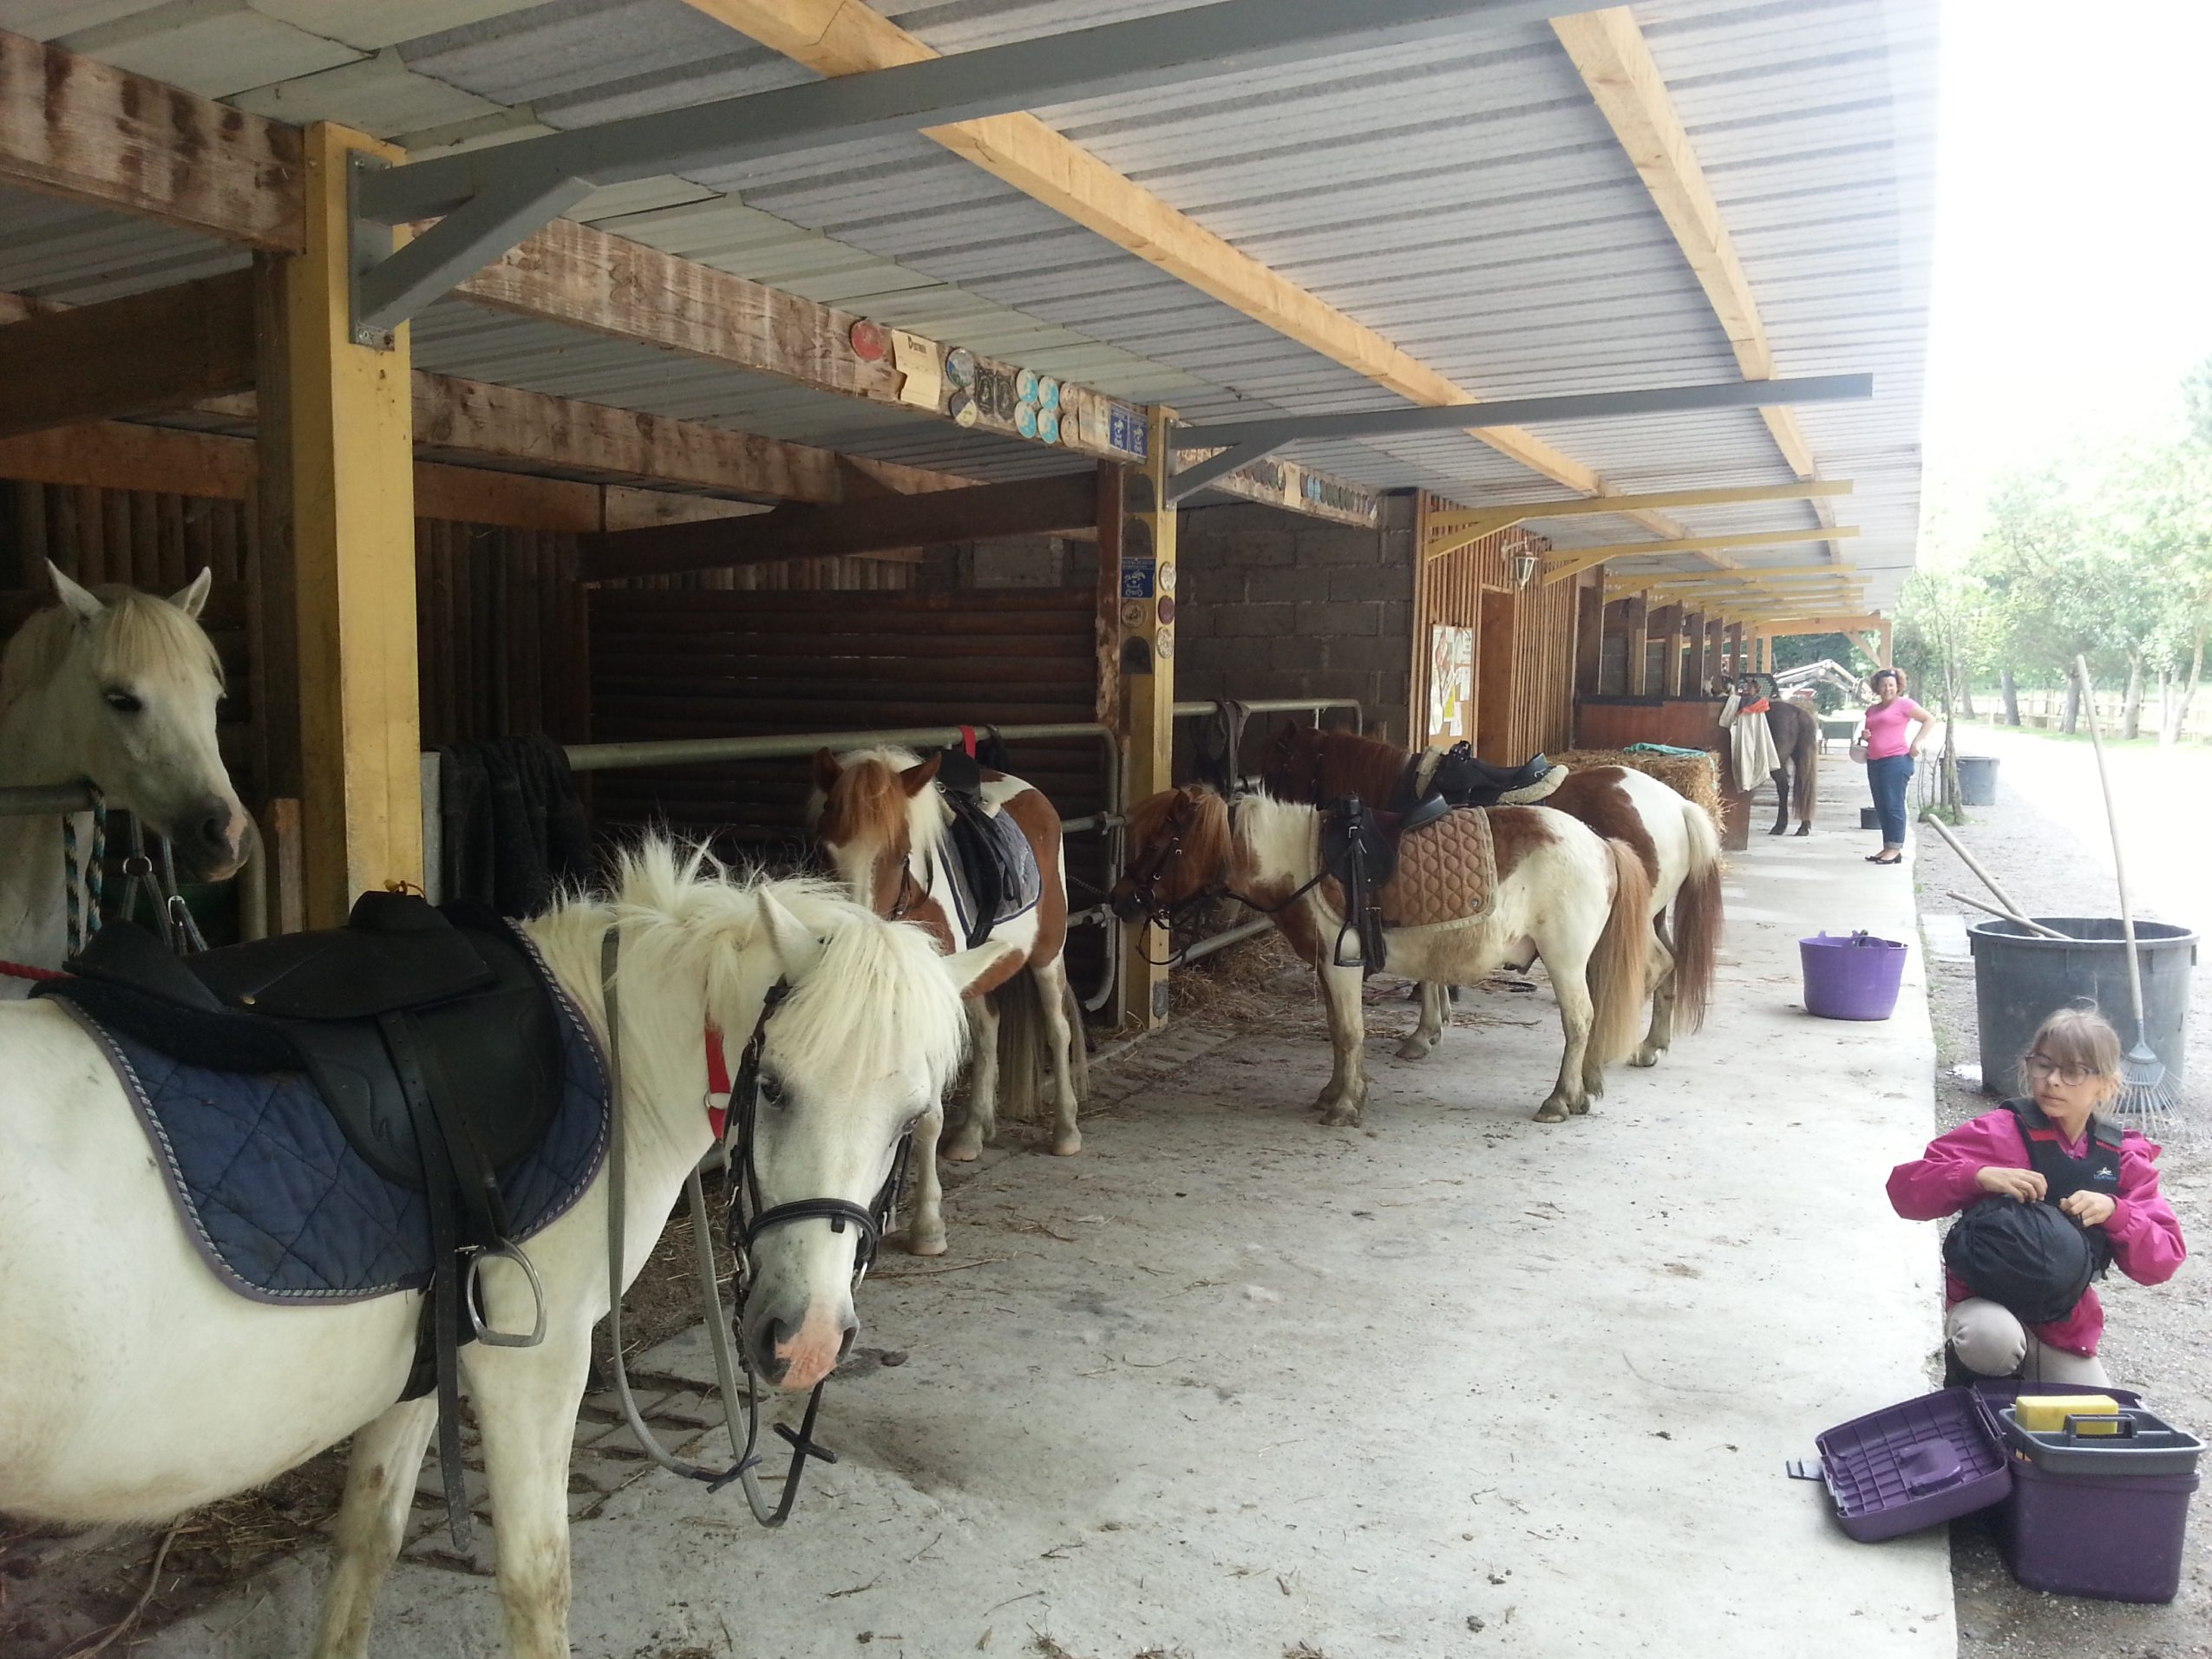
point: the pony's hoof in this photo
(965, 1149)
(1341, 1117)
(1068, 1145)
(926, 1244)
(1645, 1056)
(1779, 829)
(1551, 1112)
(1582, 1108)
(1413, 1048)
(1804, 829)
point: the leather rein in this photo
(1145, 875)
(732, 1108)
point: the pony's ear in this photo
(968, 966)
(915, 779)
(81, 600)
(190, 599)
(796, 948)
(827, 770)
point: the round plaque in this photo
(963, 410)
(1025, 386)
(959, 366)
(868, 341)
(1048, 392)
(1165, 577)
(1048, 425)
(1025, 419)
(1163, 643)
(1167, 610)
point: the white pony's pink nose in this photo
(214, 837)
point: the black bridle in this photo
(1152, 865)
(746, 1222)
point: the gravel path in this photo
(2045, 840)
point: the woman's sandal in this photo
(1876, 857)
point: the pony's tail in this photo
(1694, 928)
(1620, 964)
(1021, 1047)
(1804, 782)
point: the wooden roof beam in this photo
(1458, 527)
(85, 131)
(163, 350)
(838, 37)
(1571, 561)
(1610, 53)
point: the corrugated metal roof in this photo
(1466, 201)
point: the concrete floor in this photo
(1457, 1383)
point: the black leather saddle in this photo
(468, 1005)
(1359, 848)
(1464, 780)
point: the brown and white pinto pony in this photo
(882, 821)
(1674, 839)
(1564, 893)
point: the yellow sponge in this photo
(2047, 1413)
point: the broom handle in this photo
(2119, 869)
(2036, 928)
(2011, 908)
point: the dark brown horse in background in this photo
(1674, 839)
(1795, 727)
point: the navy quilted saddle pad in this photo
(282, 1206)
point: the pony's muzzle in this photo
(795, 1354)
(1124, 902)
(214, 837)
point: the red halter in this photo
(717, 1084)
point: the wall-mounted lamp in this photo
(1524, 568)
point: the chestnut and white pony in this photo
(116, 689)
(135, 1386)
(1580, 901)
(883, 822)
(1673, 837)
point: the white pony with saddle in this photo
(117, 689)
(140, 1378)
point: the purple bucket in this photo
(1852, 978)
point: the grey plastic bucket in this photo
(2020, 979)
(1978, 780)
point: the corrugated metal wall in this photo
(1472, 587)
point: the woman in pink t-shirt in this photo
(1891, 749)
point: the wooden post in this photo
(1664, 623)
(1638, 638)
(1496, 692)
(1686, 679)
(336, 513)
(1735, 649)
(1888, 641)
(1148, 688)
(1589, 633)
(1113, 489)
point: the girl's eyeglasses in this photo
(2040, 1066)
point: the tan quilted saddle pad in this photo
(1446, 874)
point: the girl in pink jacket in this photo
(2071, 1069)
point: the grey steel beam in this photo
(1277, 430)
(1257, 447)
(392, 290)
(1232, 36)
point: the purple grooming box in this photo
(2098, 1516)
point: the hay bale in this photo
(1695, 776)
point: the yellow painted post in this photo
(1148, 688)
(343, 482)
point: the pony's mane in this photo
(137, 633)
(868, 804)
(878, 995)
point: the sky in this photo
(2073, 282)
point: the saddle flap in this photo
(123, 953)
(960, 774)
(1354, 844)
(395, 952)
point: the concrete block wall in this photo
(1272, 605)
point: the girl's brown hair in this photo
(2076, 1037)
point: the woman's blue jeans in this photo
(1888, 778)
